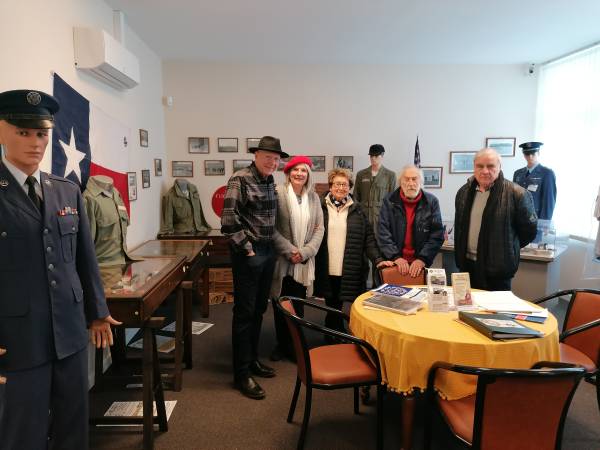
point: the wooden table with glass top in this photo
(409, 345)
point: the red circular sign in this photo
(218, 199)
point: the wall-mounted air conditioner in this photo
(98, 53)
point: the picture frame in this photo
(251, 143)
(461, 162)
(145, 178)
(143, 138)
(343, 162)
(239, 164)
(282, 163)
(505, 146)
(432, 176)
(132, 185)
(182, 169)
(227, 145)
(157, 167)
(318, 163)
(199, 145)
(214, 167)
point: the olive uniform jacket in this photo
(50, 287)
(370, 192)
(182, 214)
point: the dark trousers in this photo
(485, 282)
(59, 387)
(334, 321)
(290, 288)
(252, 276)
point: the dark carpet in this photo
(210, 414)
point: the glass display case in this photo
(545, 239)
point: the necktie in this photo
(30, 182)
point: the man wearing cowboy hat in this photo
(248, 220)
(50, 287)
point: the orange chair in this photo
(580, 336)
(391, 275)
(350, 364)
(515, 409)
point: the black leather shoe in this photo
(260, 370)
(250, 388)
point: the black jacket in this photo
(509, 223)
(428, 230)
(360, 242)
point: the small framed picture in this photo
(251, 143)
(228, 145)
(182, 169)
(240, 164)
(343, 162)
(157, 167)
(461, 162)
(145, 178)
(505, 146)
(214, 167)
(282, 163)
(132, 185)
(143, 138)
(198, 145)
(318, 163)
(432, 177)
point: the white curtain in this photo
(568, 123)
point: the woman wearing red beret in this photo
(299, 231)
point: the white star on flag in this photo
(74, 157)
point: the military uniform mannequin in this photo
(50, 288)
(182, 211)
(540, 181)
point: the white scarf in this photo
(299, 220)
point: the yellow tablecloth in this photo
(409, 345)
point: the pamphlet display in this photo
(461, 284)
(437, 296)
(498, 326)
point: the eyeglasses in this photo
(341, 185)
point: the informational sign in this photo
(218, 199)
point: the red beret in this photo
(300, 159)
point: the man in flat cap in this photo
(50, 288)
(540, 181)
(248, 220)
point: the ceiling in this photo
(363, 31)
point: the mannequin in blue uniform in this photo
(50, 288)
(540, 181)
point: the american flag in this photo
(417, 154)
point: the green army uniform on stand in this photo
(183, 213)
(370, 191)
(108, 221)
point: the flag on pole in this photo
(417, 153)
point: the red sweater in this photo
(408, 251)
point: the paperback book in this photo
(398, 305)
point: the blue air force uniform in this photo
(541, 184)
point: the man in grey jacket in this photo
(494, 219)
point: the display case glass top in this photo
(157, 248)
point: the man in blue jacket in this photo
(50, 287)
(540, 181)
(410, 224)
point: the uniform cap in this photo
(531, 147)
(376, 150)
(28, 109)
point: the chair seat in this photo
(460, 415)
(341, 364)
(571, 355)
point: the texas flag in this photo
(87, 142)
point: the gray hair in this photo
(488, 151)
(309, 179)
(411, 166)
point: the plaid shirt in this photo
(249, 209)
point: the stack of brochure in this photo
(398, 299)
(507, 303)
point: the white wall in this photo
(37, 37)
(343, 109)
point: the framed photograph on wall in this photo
(318, 163)
(505, 146)
(182, 169)
(145, 178)
(432, 177)
(228, 145)
(143, 138)
(198, 145)
(132, 185)
(240, 164)
(282, 163)
(461, 162)
(157, 167)
(214, 167)
(251, 143)
(343, 162)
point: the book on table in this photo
(397, 291)
(400, 305)
(498, 326)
